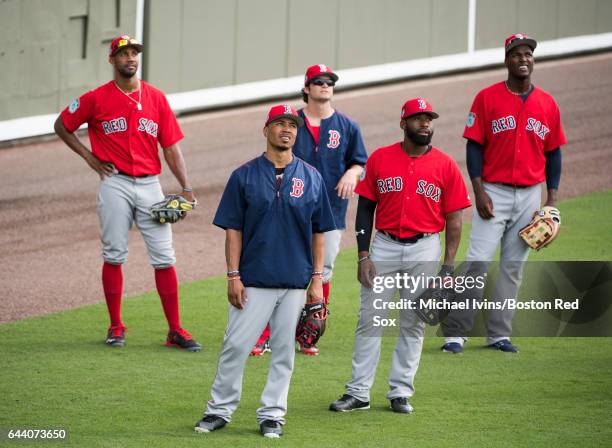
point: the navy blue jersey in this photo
(340, 147)
(277, 223)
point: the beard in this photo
(417, 139)
(127, 72)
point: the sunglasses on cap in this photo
(323, 82)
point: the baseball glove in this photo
(425, 306)
(311, 326)
(543, 228)
(173, 208)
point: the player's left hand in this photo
(346, 185)
(190, 196)
(314, 293)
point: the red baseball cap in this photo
(317, 70)
(284, 111)
(519, 39)
(123, 41)
(417, 106)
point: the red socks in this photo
(264, 335)
(326, 292)
(167, 288)
(112, 283)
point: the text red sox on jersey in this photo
(120, 125)
(507, 123)
(425, 188)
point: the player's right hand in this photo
(236, 293)
(314, 293)
(484, 205)
(366, 273)
(102, 168)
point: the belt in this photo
(411, 240)
(129, 175)
(513, 185)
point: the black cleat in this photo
(401, 405)
(116, 335)
(271, 429)
(181, 338)
(347, 403)
(210, 423)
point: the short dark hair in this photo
(304, 96)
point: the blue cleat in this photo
(505, 346)
(452, 347)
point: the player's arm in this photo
(236, 293)
(364, 223)
(73, 142)
(452, 237)
(355, 158)
(484, 204)
(348, 182)
(176, 163)
(314, 294)
(553, 175)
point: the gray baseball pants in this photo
(514, 209)
(124, 200)
(280, 307)
(332, 247)
(391, 257)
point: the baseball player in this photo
(514, 134)
(274, 210)
(332, 143)
(127, 120)
(416, 191)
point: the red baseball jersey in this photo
(515, 134)
(414, 194)
(119, 132)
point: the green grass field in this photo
(56, 372)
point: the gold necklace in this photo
(138, 104)
(515, 93)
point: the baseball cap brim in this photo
(296, 118)
(138, 47)
(531, 43)
(431, 114)
(330, 75)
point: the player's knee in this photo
(238, 347)
(162, 260)
(284, 345)
(481, 249)
(412, 326)
(114, 255)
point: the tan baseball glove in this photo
(543, 228)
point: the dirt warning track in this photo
(50, 248)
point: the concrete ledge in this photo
(289, 87)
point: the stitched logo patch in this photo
(74, 106)
(471, 119)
